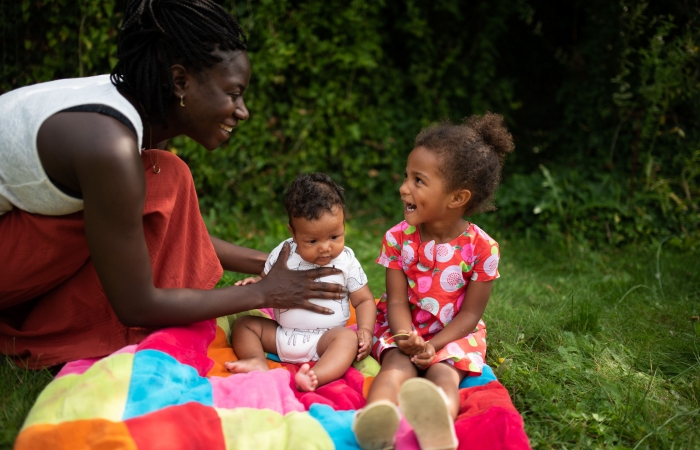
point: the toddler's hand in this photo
(411, 345)
(423, 359)
(364, 339)
(250, 280)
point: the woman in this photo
(102, 242)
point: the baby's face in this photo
(319, 241)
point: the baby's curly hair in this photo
(472, 155)
(312, 194)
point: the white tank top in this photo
(23, 182)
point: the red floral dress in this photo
(438, 276)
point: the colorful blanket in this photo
(172, 391)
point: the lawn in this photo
(598, 348)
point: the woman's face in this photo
(213, 99)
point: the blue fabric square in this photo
(338, 424)
(486, 376)
(158, 380)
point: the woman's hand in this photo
(246, 281)
(364, 339)
(423, 359)
(411, 345)
(285, 289)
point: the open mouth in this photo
(410, 207)
(225, 128)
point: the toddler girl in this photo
(440, 269)
(316, 209)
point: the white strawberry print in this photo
(430, 304)
(444, 252)
(391, 240)
(428, 250)
(451, 278)
(407, 255)
(491, 265)
(447, 313)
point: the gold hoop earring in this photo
(182, 100)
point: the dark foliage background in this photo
(603, 99)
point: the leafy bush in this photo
(601, 97)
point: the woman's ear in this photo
(460, 198)
(179, 79)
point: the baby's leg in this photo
(448, 378)
(252, 337)
(337, 349)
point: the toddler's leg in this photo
(430, 405)
(376, 424)
(252, 336)
(337, 349)
(396, 369)
(448, 378)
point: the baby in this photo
(316, 209)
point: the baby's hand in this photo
(250, 280)
(423, 359)
(364, 339)
(411, 345)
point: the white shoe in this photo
(375, 425)
(424, 405)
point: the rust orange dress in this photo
(52, 306)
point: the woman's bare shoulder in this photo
(73, 144)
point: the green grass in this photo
(18, 390)
(597, 348)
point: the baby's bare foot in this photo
(306, 379)
(247, 365)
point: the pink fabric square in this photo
(261, 390)
(187, 344)
(405, 437)
(341, 395)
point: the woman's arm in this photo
(98, 156)
(239, 259)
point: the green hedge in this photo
(602, 98)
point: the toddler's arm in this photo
(399, 313)
(366, 312)
(472, 310)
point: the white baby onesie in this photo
(300, 329)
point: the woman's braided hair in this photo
(310, 195)
(472, 155)
(158, 33)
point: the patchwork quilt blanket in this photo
(172, 392)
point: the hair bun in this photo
(491, 128)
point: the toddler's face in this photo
(319, 241)
(423, 190)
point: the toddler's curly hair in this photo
(312, 194)
(472, 154)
